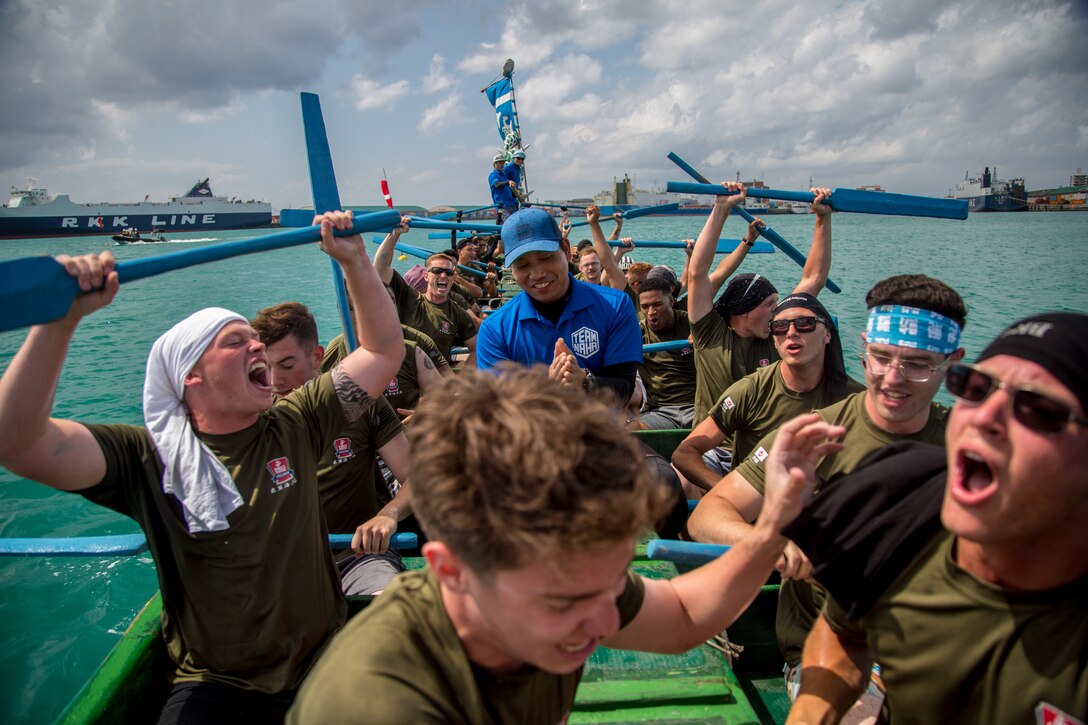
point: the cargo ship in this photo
(985, 192)
(32, 212)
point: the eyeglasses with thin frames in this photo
(916, 371)
(1032, 409)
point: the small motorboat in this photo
(133, 236)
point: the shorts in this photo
(668, 417)
(369, 573)
(865, 710)
(719, 460)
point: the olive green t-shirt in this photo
(669, 375)
(955, 649)
(249, 606)
(723, 357)
(757, 404)
(445, 323)
(348, 473)
(336, 350)
(799, 603)
(400, 661)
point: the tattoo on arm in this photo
(427, 363)
(353, 399)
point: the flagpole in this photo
(514, 100)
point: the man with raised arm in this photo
(809, 374)
(524, 583)
(432, 312)
(731, 336)
(223, 483)
(588, 334)
(911, 338)
(349, 475)
(972, 597)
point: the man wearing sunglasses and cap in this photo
(973, 598)
(433, 311)
(912, 336)
(809, 375)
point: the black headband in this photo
(744, 293)
(1056, 341)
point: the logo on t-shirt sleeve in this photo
(760, 455)
(282, 474)
(1047, 714)
(728, 404)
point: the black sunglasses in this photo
(441, 270)
(1032, 409)
(803, 324)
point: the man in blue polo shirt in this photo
(502, 188)
(588, 334)
(513, 171)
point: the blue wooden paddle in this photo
(453, 214)
(326, 198)
(853, 200)
(131, 544)
(422, 222)
(667, 345)
(683, 552)
(764, 231)
(635, 213)
(725, 246)
(36, 290)
(426, 254)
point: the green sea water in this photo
(60, 616)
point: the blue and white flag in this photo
(501, 95)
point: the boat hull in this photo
(617, 686)
(62, 218)
(994, 202)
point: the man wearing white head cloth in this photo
(912, 338)
(223, 484)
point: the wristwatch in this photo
(588, 384)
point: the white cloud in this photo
(438, 113)
(370, 94)
(437, 79)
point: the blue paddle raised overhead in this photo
(764, 231)
(860, 202)
(36, 290)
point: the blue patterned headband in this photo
(912, 327)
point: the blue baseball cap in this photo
(529, 230)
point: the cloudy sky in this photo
(109, 100)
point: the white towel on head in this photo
(192, 473)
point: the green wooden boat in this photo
(618, 686)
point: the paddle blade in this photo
(34, 290)
(880, 202)
(120, 545)
(648, 210)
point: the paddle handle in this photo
(427, 253)
(131, 544)
(420, 222)
(453, 214)
(134, 269)
(725, 246)
(683, 552)
(667, 345)
(635, 213)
